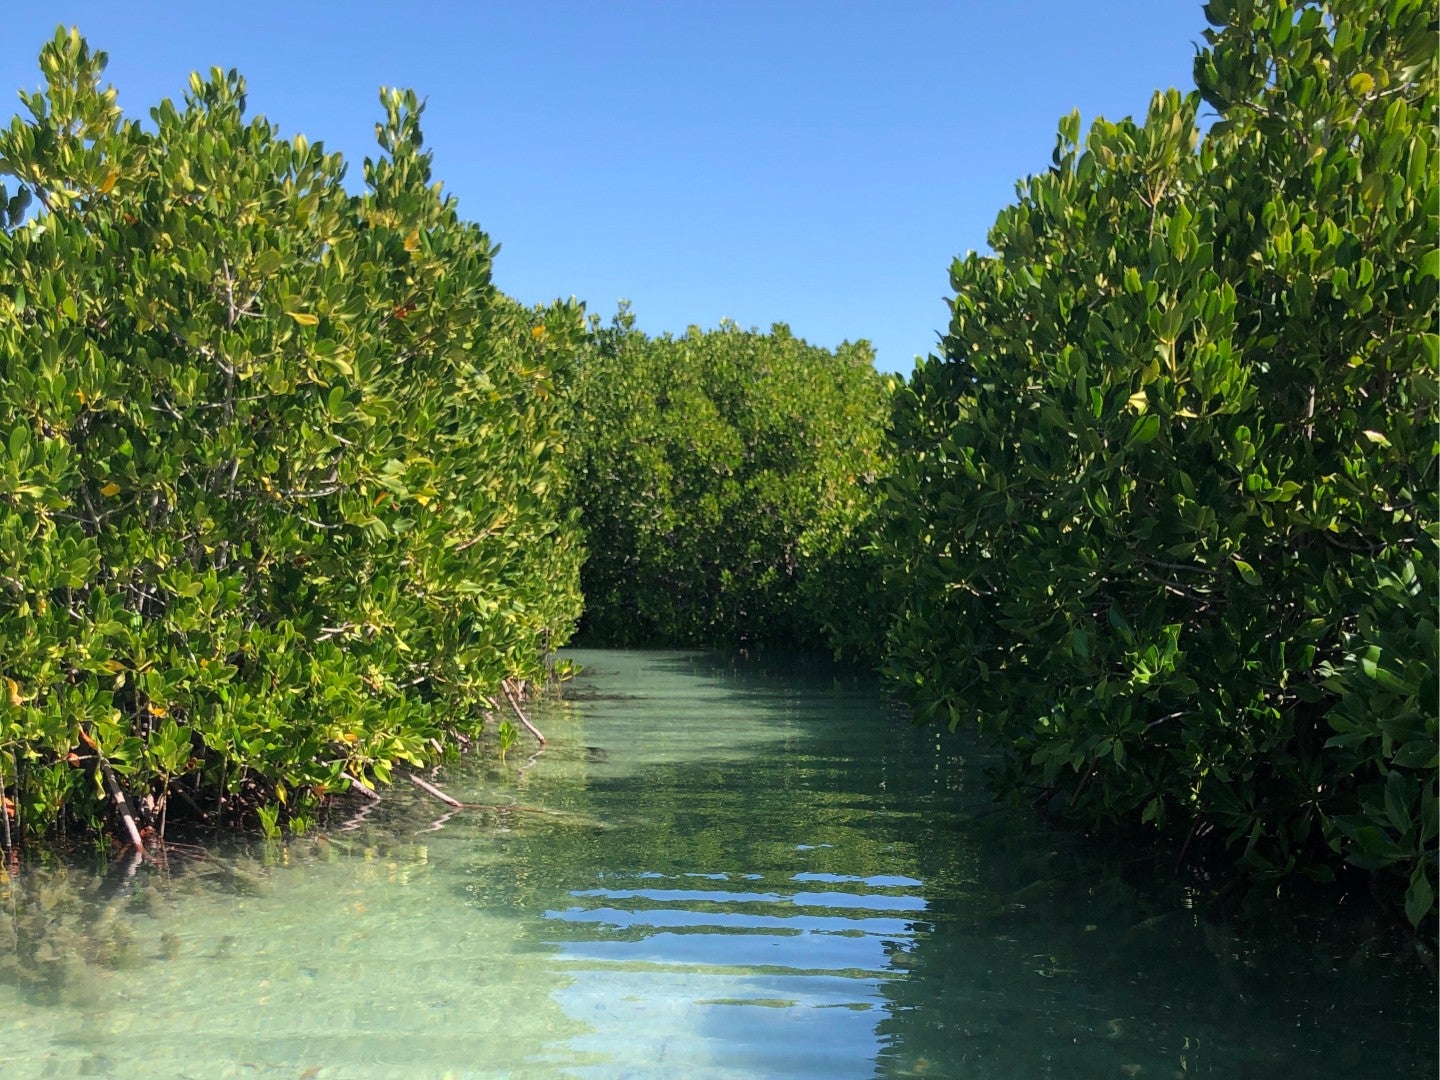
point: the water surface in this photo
(716, 868)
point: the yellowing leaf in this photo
(108, 184)
(412, 242)
(538, 333)
(110, 489)
(158, 710)
(114, 666)
(14, 689)
(1377, 438)
(304, 318)
(1139, 401)
(1361, 83)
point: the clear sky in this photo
(815, 163)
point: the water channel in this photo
(716, 868)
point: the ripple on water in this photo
(738, 873)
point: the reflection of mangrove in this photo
(766, 865)
(61, 924)
(59, 927)
(1040, 916)
(309, 926)
(788, 804)
(1019, 912)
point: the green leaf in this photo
(1247, 572)
(1416, 755)
(1420, 896)
(1117, 620)
(19, 442)
(1284, 492)
(1396, 803)
(1144, 430)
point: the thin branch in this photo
(362, 787)
(4, 809)
(122, 804)
(318, 493)
(1185, 567)
(505, 686)
(231, 314)
(1172, 716)
(426, 786)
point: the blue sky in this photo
(815, 163)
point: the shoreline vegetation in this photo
(293, 501)
(284, 507)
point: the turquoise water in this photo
(714, 869)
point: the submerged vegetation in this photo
(290, 494)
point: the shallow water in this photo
(714, 869)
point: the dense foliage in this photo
(722, 482)
(1164, 511)
(279, 496)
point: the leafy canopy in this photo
(1163, 513)
(721, 478)
(280, 500)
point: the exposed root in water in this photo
(362, 787)
(510, 696)
(431, 789)
(498, 808)
(117, 794)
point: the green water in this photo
(719, 870)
